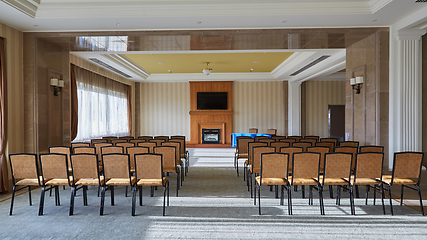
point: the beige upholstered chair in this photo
(54, 171)
(150, 146)
(305, 172)
(304, 145)
(125, 144)
(272, 131)
(178, 160)
(255, 168)
(267, 140)
(127, 138)
(407, 167)
(149, 172)
(158, 141)
(274, 172)
(166, 138)
(297, 138)
(334, 140)
(115, 141)
(278, 138)
(310, 140)
(348, 144)
(85, 173)
(290, 150)
(348, 149)
(61, 149)
(169, 162)
(98, 146)
(279, 145)
(330, 145)
(116, 173)
(78, 150)
(112, 149)
(317, 138)
(79, 144)
(248, 162)
(109, 138)
(93, 141)
(379, 149)
(241, 150)
(135, 150)
(253, 130)
(184, 152)
(137, 140)
(23, 167)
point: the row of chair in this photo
(305, 168)
(48, 170)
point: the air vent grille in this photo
(310, 65)
(421, 1)
(99, 62)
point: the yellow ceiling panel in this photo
(219, 62)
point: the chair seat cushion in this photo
(29, 181)
(90, 181)
(363, 181)
(170, 169)
(152, 182)
(271, 181)
(243, 155)
(400, 181)
(56, 181)
(120, 181)
(333, 181)
(303, 181)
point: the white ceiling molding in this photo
(338, 76)
(128, 65)
(29, 7)
(185, 77)
(290, 64)
(378, 4)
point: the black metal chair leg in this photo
(322, 207)
(277, 190)
(421, 200)
(112, 195)
(57, 195)
(282, 193)
(367, 194)
(13, 199)
(29, 195)
(357, 191)
(401, 195)
(331, 192)
(303, 191)
(289, 201)
(126, 191)
(310, 196)
(389, 196)
(73, 189)
(237, 167)
(164, 198)
(140, 195)
(101, 210)
(177, 183)
(84, 195)
(338, 202)
(133, 200)
(41, 201)
(259, 199)
(382, 197)
(375, 194)
(168, 192)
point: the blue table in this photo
(252, 135)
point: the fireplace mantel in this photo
(220, 126)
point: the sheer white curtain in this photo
(102, 106)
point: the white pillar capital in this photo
(412, 34)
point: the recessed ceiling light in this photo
(199, 22)
(160, 63)
(284, 21)
(374, 20)
(36, 25)
(256, 62)
(117, 24)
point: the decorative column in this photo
(294, 109)
(409, 81)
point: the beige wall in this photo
(320, 94)
(258, 104)
(14, 62)
(165, 109)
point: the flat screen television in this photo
(212, 101)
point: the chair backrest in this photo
(98, 146)
(23, 165)
(337, 165)
(310, 140)
(77, 150)
(112, 149)
(61, 149)
(267, 140)
(274, 165)
(277, 138)
(317, 138)
(166, 138)
(149, 166)
(297, 138)
(334, 140)
(157, 141)
(369, 165)
(253, 130)
(178, 137)
(93, 141)
(272, 131)
(125, 144)
(257, 138)
(146, 138)
(150, 145)
(178, 149)
(242, 144)
(256, 159)
(168, 153)
(116, 165)
(305, 165)
(330, 145)
(348, 144)
(252, 145)
(182, 144)
(322, 151)
(127, 138)
(85, 165)
(304, 145)
(348, 149)
(79, 144)
(109, 138)
(288, 140)
(279, 145)
(407, 165)
(379, 149)
(290, 150)
(54, 166)
(135, 150)
(115, 141)
(137, 140)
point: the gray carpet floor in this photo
(213, 203)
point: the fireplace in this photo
(211, 135)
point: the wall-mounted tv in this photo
(212, 101)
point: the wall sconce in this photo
(57, 85)
(356, 83)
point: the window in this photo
(102, 106)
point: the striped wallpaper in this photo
(165, 109)
(15, 88)
(258, 104)
(320, 94)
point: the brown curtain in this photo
(74, 103)
(4, 181)
(129, 97)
